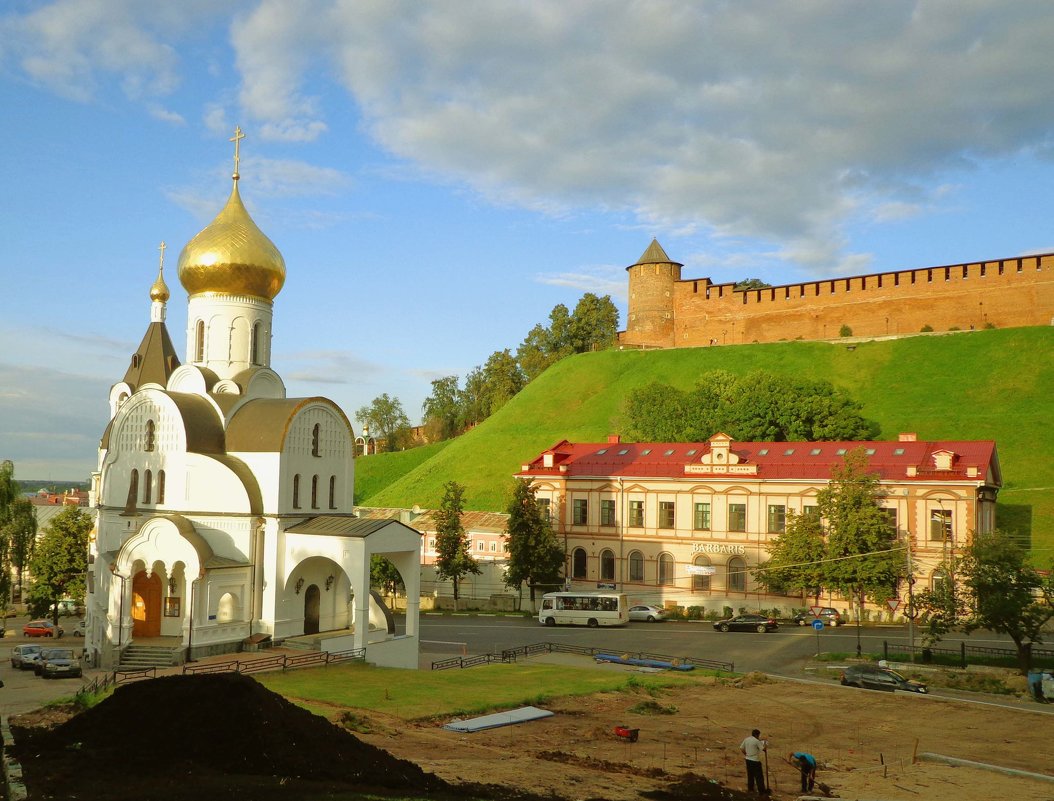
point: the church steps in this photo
(136, 657)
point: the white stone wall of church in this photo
(229, 322)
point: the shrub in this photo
(989, 325)
(726, 611)
(955, 328)
(926, 328)
(845, 331)
(694, 613)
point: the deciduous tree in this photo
(387, 421)
(1007, 594)
(535, 555)
(796, 558)
(60, 561)
(453, 559)
(441, 408)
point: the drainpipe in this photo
(120, 618)
(190, 632)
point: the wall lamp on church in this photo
(329, 582)
(299, 586)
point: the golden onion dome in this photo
(159, 289)
(232, 256)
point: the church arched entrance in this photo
(311, 598)
(146, 605)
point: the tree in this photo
(386, 420)
(453, 558)
(441, 408)
(594, 323)
(860, 539)
(758, 407)
(535, 555)
(941, 607)
(60, 561)
(796, 558)
(384, 576)
(534, 354)
(1007, 594)
(502, 379)
(751, 283)
(17, 536)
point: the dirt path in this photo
(863, 740)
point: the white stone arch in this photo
(228, 608)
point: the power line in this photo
(832, 559)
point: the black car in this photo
(875, 678)
(758, 623)
(828, 614)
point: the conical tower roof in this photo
(655, 255)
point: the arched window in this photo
(133, 489)
(148, 481)
(332, 492)
(607, 565)
(314, 492)
(314, 440)
(255, 348)
(160, 486)
(149, 445)
(666, 568)
(737, 575)
(296, 491)
(939, 581)
(199, 341)
(227, 608)
(636, 566)
(578, 563)
(701, 581)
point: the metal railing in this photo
(961, 654)
(512, 654)
(278, 662)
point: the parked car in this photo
(23, 656)
(41, 628)
(875, 678)
(758, 623)
(78, 628)
(649, 614)
(828, 614)
(58, 663)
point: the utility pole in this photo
(911, 599)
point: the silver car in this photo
(24, 657)
(649, 614)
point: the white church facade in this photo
(224, 508)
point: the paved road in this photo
(23, 690)
(781, 652)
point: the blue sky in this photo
(439, 175)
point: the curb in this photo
(16, 788)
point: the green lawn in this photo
(414, 695)
(996, 384)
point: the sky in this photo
(439, 175)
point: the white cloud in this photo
(779, 122)
(159, 112)
(598, 280)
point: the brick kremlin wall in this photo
(1005, 294)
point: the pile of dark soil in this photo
(194, 738)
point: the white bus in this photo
(584, 609)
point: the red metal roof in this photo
(890, 460)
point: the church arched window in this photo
(149, 446)
(315, 432)
(133, 489)
(296, 491)
(255, 357)
(332, 492)
(227, 608)
(148, 481)
(160, 486)
(314, 492)
(199, 341)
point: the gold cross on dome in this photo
(162, 247)
(237, 138)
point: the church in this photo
(224, 509)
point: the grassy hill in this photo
(996, 384)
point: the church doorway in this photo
(311, 599)
(146, 605)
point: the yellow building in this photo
(686, 522)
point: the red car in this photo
(41, 628)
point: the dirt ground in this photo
(863, 740)
(216, 726)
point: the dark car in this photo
(758, 623)
(58, 663)
(829, 615)
(875, 678)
